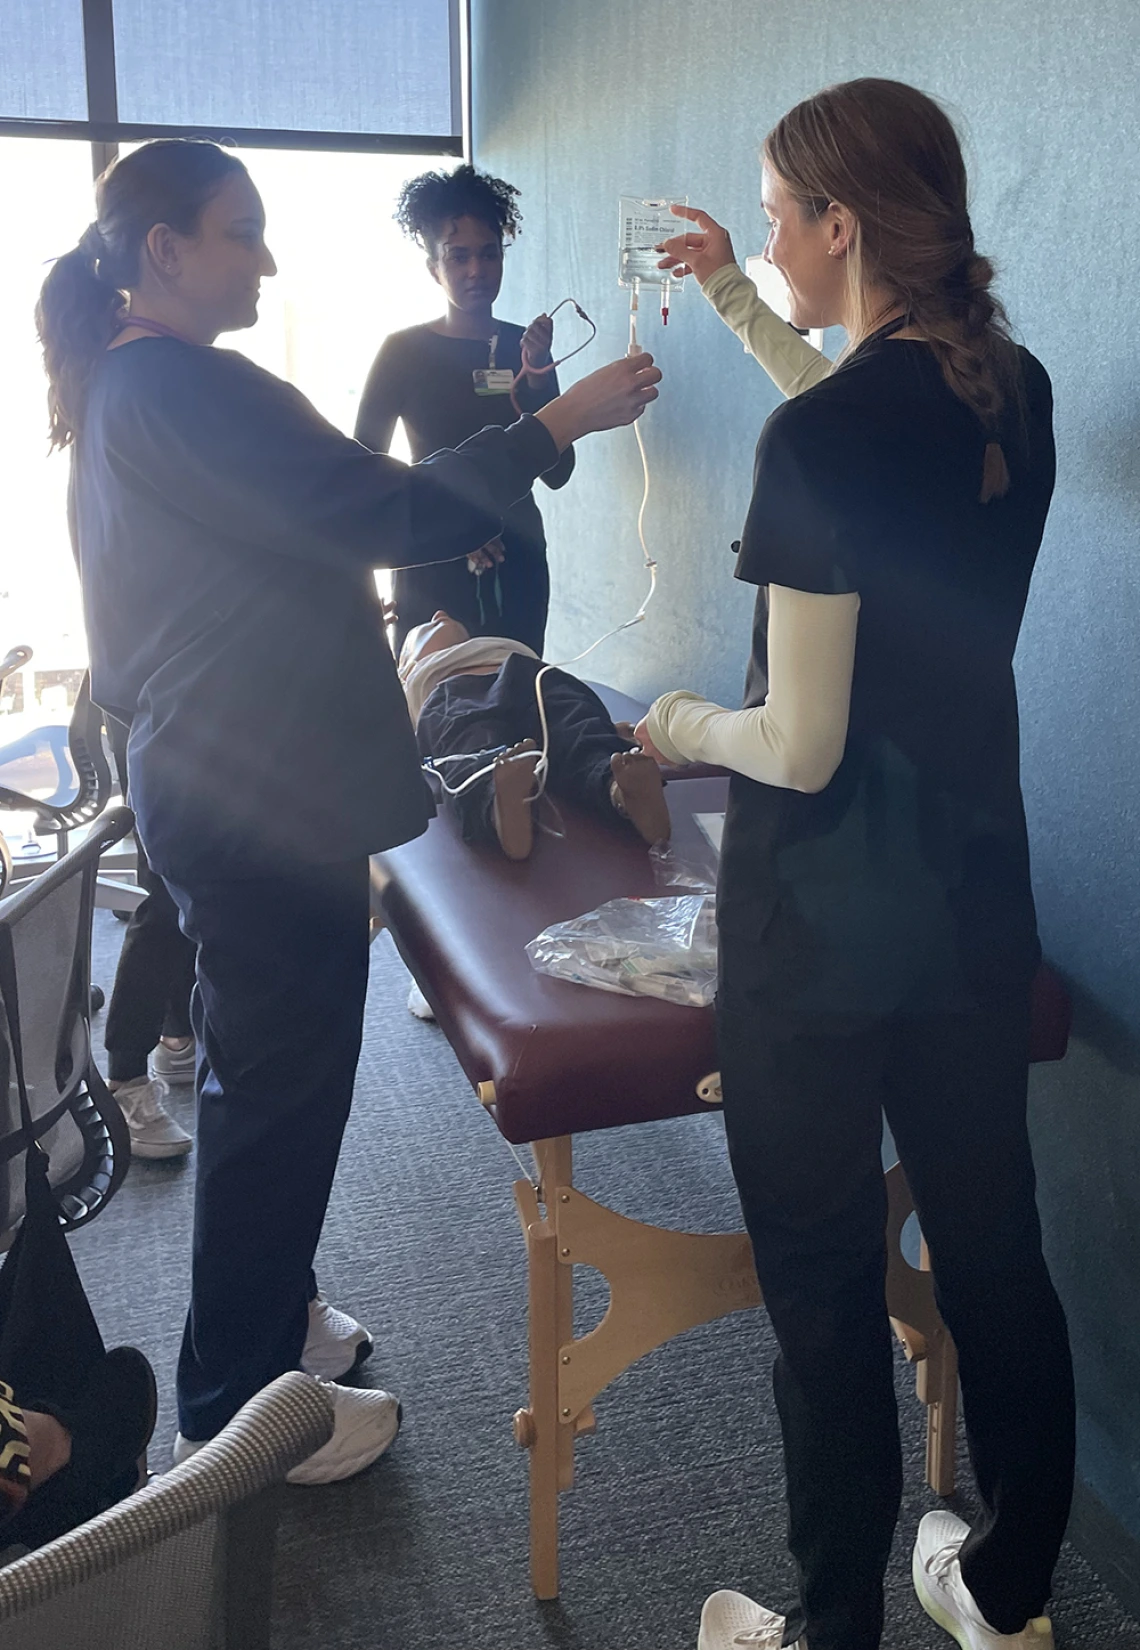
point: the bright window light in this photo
(347, 278)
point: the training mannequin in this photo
(475, 698)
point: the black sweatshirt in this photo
(226, 537)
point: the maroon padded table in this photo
(557, 1053)
(549, 1059)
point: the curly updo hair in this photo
(429, 204)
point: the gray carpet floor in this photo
(679, 1492)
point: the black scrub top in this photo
(426, 378)
(226, 536)
(903, 886)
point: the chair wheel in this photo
(98, 998)
(123, 916)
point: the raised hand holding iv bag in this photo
(643, 222)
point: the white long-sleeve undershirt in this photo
(790, 361)
(796, 738)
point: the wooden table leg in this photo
(541, 1429)
(554, 1160)
(544, 1454)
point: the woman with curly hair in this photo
(452, 377)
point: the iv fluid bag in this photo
(644, 221)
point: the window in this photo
(342, 100)
(383, 75)
(347, 278)
(42, 72)
(47, 201)
(357, 66)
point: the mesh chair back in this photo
(48, 929)
(187, 1563)
(165, 1597)
(82, 773)
(37, 767)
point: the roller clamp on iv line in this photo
(643, 222)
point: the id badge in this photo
(493, 380)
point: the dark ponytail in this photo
(82, 302)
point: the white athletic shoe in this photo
(335, 1344)
(174, 1065)
(419, 1005)
(365, 1424)
(732, 1619)
(154, 1133)
(948, 1601)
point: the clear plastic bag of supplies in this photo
(692, 866)
(637, 947)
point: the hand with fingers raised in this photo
(700, 252)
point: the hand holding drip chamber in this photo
(699, 253)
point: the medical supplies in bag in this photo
(638, 947)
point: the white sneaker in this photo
(419, 1005)
(365, 1424)
(174, 1065)
(730, 1619)
(335, 1344)
(154, 1133)
(948, 1601)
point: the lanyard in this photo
(158, 328)
(887, 330)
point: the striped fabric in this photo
(15, 1474)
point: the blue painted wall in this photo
(580, 101)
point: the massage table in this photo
(549, 1059)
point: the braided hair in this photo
(891, 155)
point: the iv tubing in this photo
(550, 366)
(542, 765)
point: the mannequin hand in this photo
(700, 254)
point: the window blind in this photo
(344, 73)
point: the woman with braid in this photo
(877, 931)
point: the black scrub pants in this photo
(480, 714)
(804, 1120)
(278, 1012)
(155, 976)
(511, 599)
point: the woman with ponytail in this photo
(226, 538)
(877, 933)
